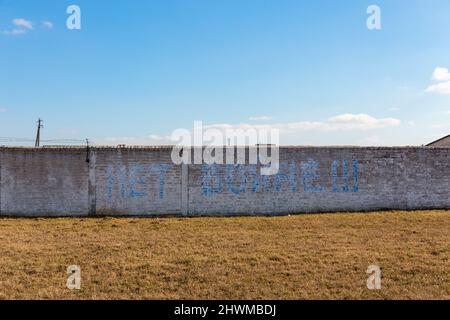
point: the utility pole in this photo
(87, 151)
(38, 134)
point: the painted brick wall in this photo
(144, 181)
(326, 179)
(137, 181)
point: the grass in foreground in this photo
(295, 257)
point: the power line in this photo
(38, 141)
(26, 141)
(15, 139)
(66, 140)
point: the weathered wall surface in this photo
(58, 182)
(34, 183)
(327, 179)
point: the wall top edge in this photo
(169, 148)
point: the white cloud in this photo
(3, 110)
(343, 122)
(157, 137)
(441, 74)
(260, 118)
(443, 87)
(360, 121)
(22, 26)
(152, 139)
(15, 32)
(47, 24)
(19, 22)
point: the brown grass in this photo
(295, 257)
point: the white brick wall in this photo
(143, 181)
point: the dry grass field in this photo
(294, 257)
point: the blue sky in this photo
(137, 70)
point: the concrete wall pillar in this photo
(92, 199)
(185, 189)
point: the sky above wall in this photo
(138, 70)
